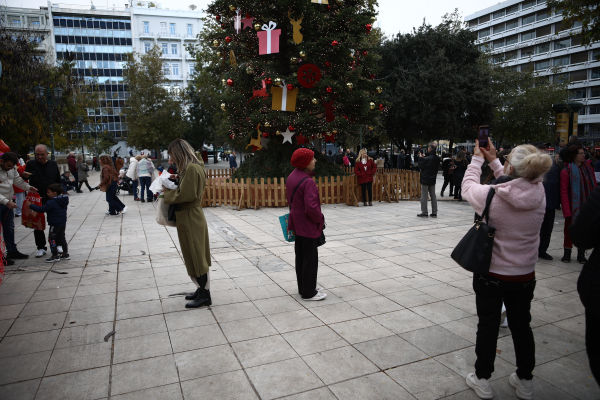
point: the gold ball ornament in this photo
(294, 60)
(303, 54)
(379, 89)
(370, 128)
(278, 133)
(340, 2)
(219, 54)
(319, 136)
(372, 105)
(350, 85)
(216, 43)
(334, 131)
(277, 81)
(232, 8)
(257, 27)
(223, 107)
(315, 101)
(267, 124)
(224, 82)
(249, 70)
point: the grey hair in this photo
(45, 147)
(432, 146)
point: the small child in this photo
(56, 209)
(66, 183)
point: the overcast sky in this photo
(394, 15)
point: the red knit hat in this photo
(302, 157)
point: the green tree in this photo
(586, 12)
(154, 113)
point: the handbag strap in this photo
(294, 192)
(488, 201)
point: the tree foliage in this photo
(587, 12)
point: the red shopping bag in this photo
(30, 218)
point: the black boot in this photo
(581, 256)
(202, 300)
(442, 194)
(567, 257)
(192, 296)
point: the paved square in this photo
(399, 321)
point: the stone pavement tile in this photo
(440, 312)
(54, 294)
(24, 367)
(366, 276)
(339, 312)
(402, 321)
(293, 321)
(230, 385)
(353, 292)
(283, 378)
(348, 267)
(543, 354)
(134, 296)
(174, 304)
(29, 343)
(136, 284)
(465, 303)
(143, 374)
(339, 364)
(90, 316)
(558, 283)
(246, 329)
(390, 352)
(89, 290)
(435, 340)
(375, 305)
(558, 340)
(550, 312)
(443, 291)
(263, 351)
(189, 319)
(20, 391)
(575, 325)
(135, 348)
(542, 292)
(468, 394)
(84, 385)
(92, 270)
(333, 281)
(360, 330)
(37, 323)
(387, 286)
(23, 286)
(98, 279)
(263, 292)
(222, 285)
(126, 328)
(196, 338)
(205, 362)
(371, 387)
(13, 311)
(82, 335)
(277, 305)
(317, 394)
(25, 276)
(140, 309)
(178, 278)
(465, 328)
(252, 280)
(234, 312)
(502, 389)
(224, 297)
(46, 307)
(417, 281)
(97, 300)
(135, 274)
(314, 340)
(78, 358)
(428, 379)
(411, 298)
(462, 362)
(167, 392)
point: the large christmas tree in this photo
(294, 72)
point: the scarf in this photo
(582, 181)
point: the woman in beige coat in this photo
(191, 224)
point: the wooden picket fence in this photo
(271, 192)
(218, 173)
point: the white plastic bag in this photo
(162, 213)
(162, 180)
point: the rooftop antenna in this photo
(93, 6)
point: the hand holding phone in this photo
(484, 134)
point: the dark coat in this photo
(584, 234)
(306, 218)
(552, 187)
(363, 174)
(72, 164)
(39, 181)
(429, 166)
(351, 158)
(232, 161)
(56, 210)
(407, 161)
(339, 159)
(446, 167)
(459, 171)
(400, 161)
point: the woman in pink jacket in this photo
(306, 220)
(517, 211)
(365, 169)
(577, 182)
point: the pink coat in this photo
(306, 218)
(517, 212)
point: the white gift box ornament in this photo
(268, 39)
(320, 1)
(237, 22)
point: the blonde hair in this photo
(361, 153)
(143, 156)
(182, 153)
(138, 157)
(528, 162)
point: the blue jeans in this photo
(145, 185)
(135, 189)
(114, 204)
(7, 219)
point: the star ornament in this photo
(287, 136)
(247, 22)
(301, 139)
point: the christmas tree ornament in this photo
(250, 70)
(365, 53)
(328, 8)
(290, 86)
(301, 139)
(303, 54)
(320, 1)
(248, 22)
(216, 43)
(296, 24)
(350, 85)
(287, 136)
(368, 27)
(381, 107)
(284, 99)
(372, 77)
(232, 8)
(218, 17)
(269, 81)
(370, 128)
(261, 93)
(327, 64)
(278, 133)
(230, 82)
(265, 134)
(329, 89)
(313, 137)
(372, 105)
(319, 136)
(232, 136)
(223, 26)
(219, 54)
(255, 142)
(379, 89)
(257, 27)
(309, 75)
(277, 81)
(291, 128)
(232, 59)
(340, 2)
(294, 60)
(268, 39)
(334, 43)
(237, 22)
(223, 107)
(228, 39)
(329, 139)
(315, 101)
(267, 124)
(329, 115)
(334, 132)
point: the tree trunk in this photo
(450, 146)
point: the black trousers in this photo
(592, 345)
(458, 189)
(76, 176)
(546, 230)
(307, 265)
(86, 184)
(448, 181)
(56, 237)
(367, 187)
(40, 236)
(489, 295)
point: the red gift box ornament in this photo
(268, 39)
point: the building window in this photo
(192, 69)
(176, 69)
(163, 28)
(165, 48)
(593, 110)
(16, 21)
(512, 40)
(35, 22)
(528, 4)
(499, 28)
(596, 55)
(499, 58)
(484, 18)
(542, 48)
(172, 26)
(146, 27)
(543, 14)
(174, 49)
(562, 44)
(512, 10)
(577, 76)
(580, 57)
(483, 33)
(511, 55)
(561, 78)
(527, 52)
(542, 65)
(528, 19)
(561, 61)
(146, 47)
(498, 44)
(167, 69)
(190, 30)
(473, 23)
(577, 94)
(512, 24)
(527, 36)
(499, 14)
(595, 91)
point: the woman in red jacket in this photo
(577, 182)
(365, 169)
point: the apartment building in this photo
(528, 35)
(33, 23)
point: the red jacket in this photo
(365, 172)
(565, 187)
(306, 218)
(72, 164)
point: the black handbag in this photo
(474, 251)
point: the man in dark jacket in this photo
(429, 165)
(351, 157)
(42, 172)
(339, 157)
(572, 141)
(584, 234)
(330, 157)
(552, 189)
(400, 161)
(73, 169)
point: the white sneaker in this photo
(107, 213)
(481, 387)
(523, 386)
(124, 209)
(318, 288)
(59, 249)
(317, 297)
(40, 253)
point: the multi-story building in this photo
(528, 35)
(31, 22)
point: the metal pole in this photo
(49, 102)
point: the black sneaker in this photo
(143, 201)
(16, 255)
(433, 215)
(545, 256)
(53, 259)
(422, 215)
(9, 262)
(65, 257)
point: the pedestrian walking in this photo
(145, 168)
(307, 221)
(95, 163)
(351, 157)
(108, 184)
(9, 178)
(516, 212)
(365, 171)
(233, 161)
(191, 224)
(584, 234)
(429, 165)
(552, 190)
(448, 178)
(74, 171)
(83, 169)
(56, 211)
(577, 181)
(132, 174)
(458, 168)
(41, 172)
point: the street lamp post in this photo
(50, 98)
(80, 126)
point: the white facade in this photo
(526, 34)
(171, 31)
(30, 22)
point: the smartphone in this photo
(484, 134)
